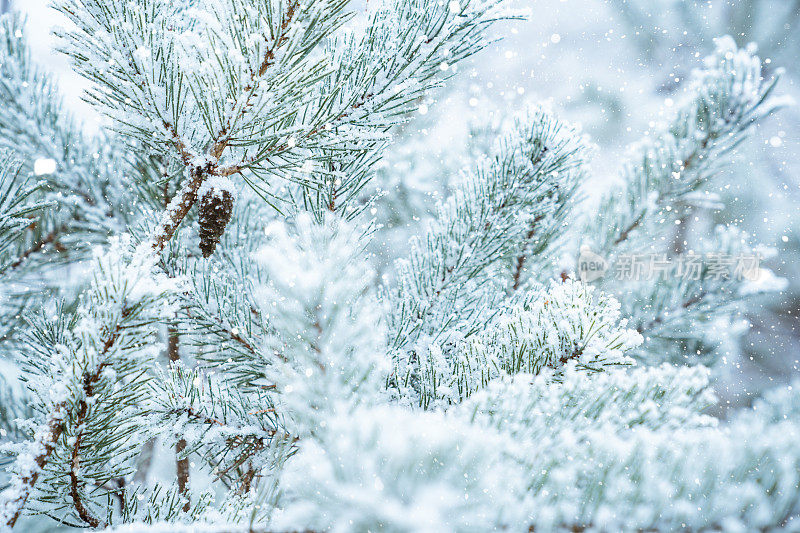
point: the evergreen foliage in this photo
(664, 182)
(477, 385)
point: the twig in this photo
(659, 319)
(181, 465)
(180, 206)
(522, 257)
(219, 321)
(49, 439)
(186, 198)
(80, 419)
(36, 247)
(685, 165)
(623, 236)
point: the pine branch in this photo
(103, 338)
(251, 87)
(87, 205)
(308, 112)
(519, 263)
(46, 442)
(181, 464)
(55, 429)
(727, 100)
(180, 206)
(39, 246)
(80, 419)
(516, 199)
(694, 159)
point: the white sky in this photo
(41, 21)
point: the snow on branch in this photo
(503, 219)
(75, 365)
(724, 100)
(567, 326)
(325, 319)
(664, 185)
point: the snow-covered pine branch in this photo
(228, 88)
(18, 203)
(701, 315)
(499, 224)
(664, 183)
(476, 391)
(566, 325)
(78, 174)
(724, 100)
(628, 450)
(86, 373)
(328, 339)
(75, 176)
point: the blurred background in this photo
(612, 66)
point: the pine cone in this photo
(216, 208)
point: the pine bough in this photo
(473, 388)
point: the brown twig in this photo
(522, 257)
(658, 320)
(249, 444)
(80, 419)
(188, 196)
(250, 88)
(624, 234)
(247, 480)
(269, 58)
(215, 422)
(55, 429)
(36, 247)
(181, 465)
(89, 381)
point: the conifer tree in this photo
(193, 288)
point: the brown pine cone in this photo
(216, 208)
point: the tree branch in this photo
(519, 265)
(36, 247)
(55, 429)
(186, 198)
(685, 165)
(83, 512)
(47, 441)
(181, 465)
